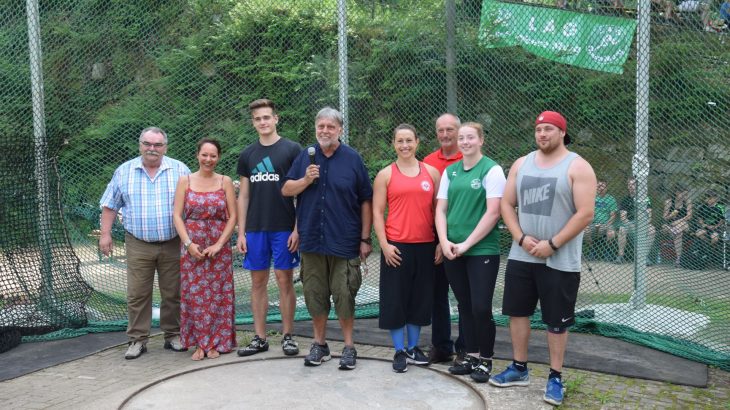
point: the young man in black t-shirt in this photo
(267, 224)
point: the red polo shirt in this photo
(437, 160)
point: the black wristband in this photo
(368, 241)
(522, 239)
(552, 245)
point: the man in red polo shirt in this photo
(442, 349)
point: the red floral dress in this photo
(206, 286)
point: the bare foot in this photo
(213, 354)
(199, 354)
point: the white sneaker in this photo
(175, 345)
(135, 350)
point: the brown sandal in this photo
(213, 354)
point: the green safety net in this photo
(76, 96)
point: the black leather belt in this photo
(152, 242)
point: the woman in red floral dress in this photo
(205, 216)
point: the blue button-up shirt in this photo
(328, 212)
(146, 203)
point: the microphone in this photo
(310, 151)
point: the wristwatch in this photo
(187, 243)
(368, 241)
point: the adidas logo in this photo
(264, 171)
(264, 177)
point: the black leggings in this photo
(472, 278)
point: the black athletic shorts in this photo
(525, 283)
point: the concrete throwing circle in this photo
(287, 383)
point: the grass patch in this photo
(603, 397)
(574, 384)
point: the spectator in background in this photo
(604, 218)
(442, 347)
(709, 219)
(407, 189)
(677, 214)
(687, 7)
(725, 12)
(627, 216)
(665, 8)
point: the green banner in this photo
(585, 40)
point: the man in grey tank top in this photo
(554, 191)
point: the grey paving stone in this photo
(104, 380)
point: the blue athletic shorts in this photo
(263, 245)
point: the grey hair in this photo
(456, 117)
(156, 130)
(329, 113)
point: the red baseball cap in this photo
(555, 118)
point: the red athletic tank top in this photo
(410, 207)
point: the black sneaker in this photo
(257, 345)
(464, 366)
(317, 355)
(481, 373)
(436, 355)
(400, 362)
(416, 356)
(349, 358)
(459, 357)
(289, 346)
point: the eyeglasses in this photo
(157, 145)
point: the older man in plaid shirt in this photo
(143, 189)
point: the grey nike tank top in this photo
(545, 204)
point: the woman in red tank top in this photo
(407, 190)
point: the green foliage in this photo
(192, 67)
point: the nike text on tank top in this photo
(467, 203)
(410, 207)
(545, 204)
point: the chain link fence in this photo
(645, 88)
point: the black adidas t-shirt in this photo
(265, 168)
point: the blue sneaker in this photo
(554, 391)
(511, 377)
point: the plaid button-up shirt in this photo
(146, 203)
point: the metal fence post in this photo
(451, 100)
(342, 63)
(640, 163)
(40, 144)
